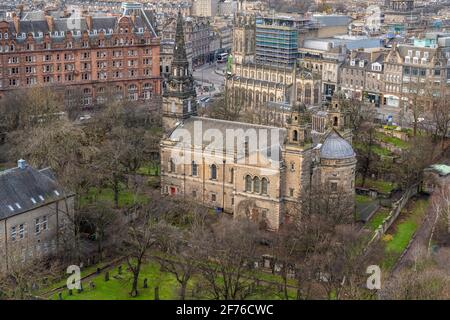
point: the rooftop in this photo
(24, 188)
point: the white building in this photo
(206, 8)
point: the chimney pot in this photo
(21, 164)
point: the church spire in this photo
(179, 54)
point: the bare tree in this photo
(183, 244)
(100, 219)
(139, 238)
(414, 160)
(227, 256)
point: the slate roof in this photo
(216, 127)
(336, 148)
(23, 189)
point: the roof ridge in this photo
(239, 122)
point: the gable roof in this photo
(215, 134)
(22, 189)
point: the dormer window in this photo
(352, 62)
(361, 64)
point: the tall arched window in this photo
(256, 185)
(213, 172)
(248, 183)
(295, 135)
(264, 186)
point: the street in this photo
(208, 75)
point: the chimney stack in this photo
(89, 22)
(21, 164)
(50, 23)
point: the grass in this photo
(363, 199)
(377, 219)
(378, 150)
(407, 228)
(380, 185)
(149, 170)
(118, 286)
(126, 197)
(399, 143)
(404, 232)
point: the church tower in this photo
(297, 159)
(244, 38)
(179, 98)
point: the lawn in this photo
(378, 150)
(149, 170)
(407, 227)
(378, 218)
(403, 232)
(126, 197)
(399, 143)
(118, 286)
(380, 185)
(363, 199)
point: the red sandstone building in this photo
(90, 53)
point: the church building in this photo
(262, 172)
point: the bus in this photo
(222, 58)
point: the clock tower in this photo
(179, 98)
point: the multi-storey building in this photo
(276, 41)
(256, 85)
(206, 8)
(353, 74)
(197, 33)
(374, 84)
(418, 72)
(89, 52)
(35, 215)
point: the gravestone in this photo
(107, 276)
(70, 292)
(156, 293)
(145, 283)
(98, 270)
(60, 296)
(80, 289)
(92, 285)
(120, 269)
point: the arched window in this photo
(172, 165)
(335, 122)
(264, 185)
(213, 172)
(248, 183)
(295, 135)
(256, 185)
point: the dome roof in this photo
(335, 147)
